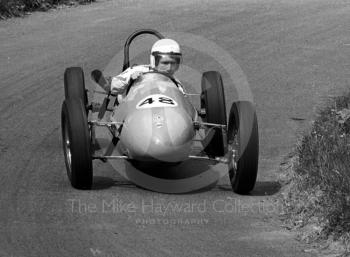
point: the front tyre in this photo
(243, 137)
(213, 102)
(74, 84)
(76, 144)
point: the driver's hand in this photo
(108, 81)
(107, 86)
(136, 74)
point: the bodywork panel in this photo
(158, 121)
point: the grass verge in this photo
(317, 192)
(16, 8)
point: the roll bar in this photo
(126, 63)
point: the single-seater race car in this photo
(157, 124)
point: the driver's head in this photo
(166, 56)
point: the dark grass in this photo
(16, 8)
(319, 189)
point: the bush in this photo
(10, 8)
(319, 192)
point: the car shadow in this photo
(183, 170)
(187, 169)
(101, 183)
(261, 188)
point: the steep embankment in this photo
(317, 198)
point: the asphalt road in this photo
(292, 54)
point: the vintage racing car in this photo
(157, 124)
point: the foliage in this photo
(10, 8)
(318, 195)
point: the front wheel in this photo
(74, 84)
(243, 137)
(76, 144)
(213, 102)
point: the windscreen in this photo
(152, 81)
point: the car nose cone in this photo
(158, 134)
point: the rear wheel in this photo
(74, 84)
(213, 102)
(243, 137)
(76, 144)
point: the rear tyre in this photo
(213, 102)
(76, 144)
(243, 136)
(74, 84)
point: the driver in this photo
(165, 57)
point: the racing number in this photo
(147, 101)
(166, 100)
(157, 101)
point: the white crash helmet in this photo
(165, 46)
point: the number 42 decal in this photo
(153, 101)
